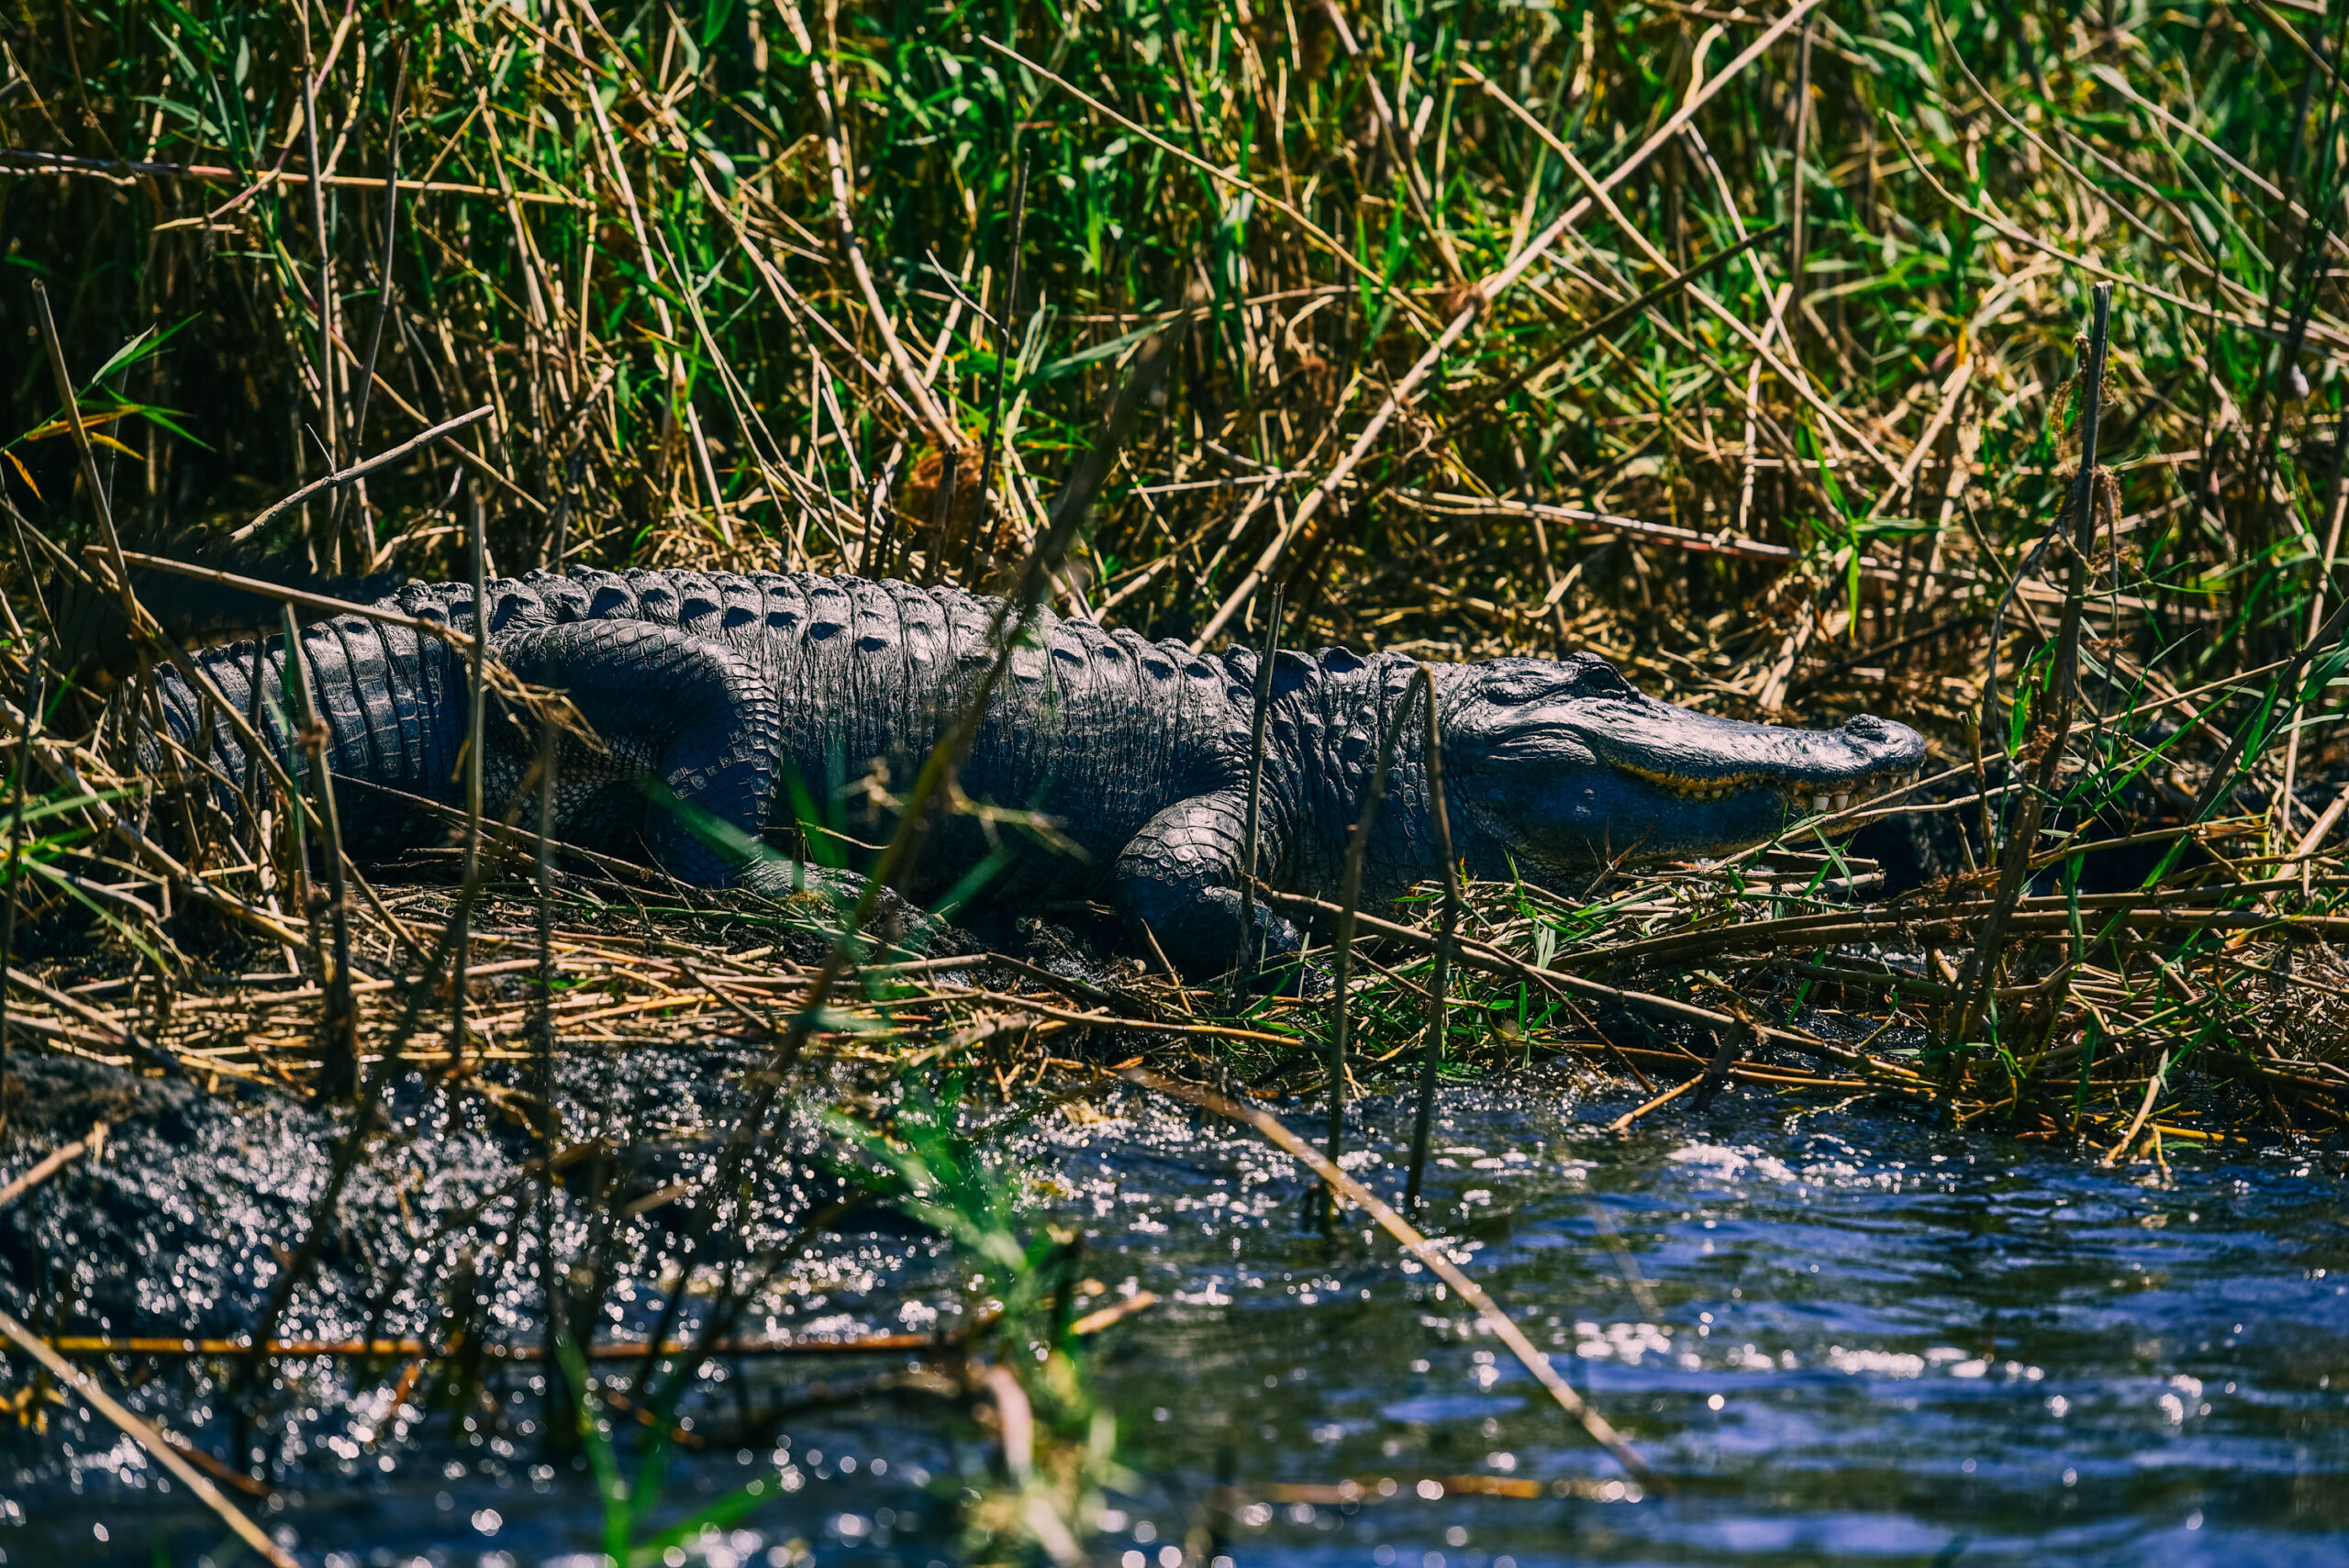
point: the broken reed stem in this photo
(338, 1025)
(1341, 1185)
(32, 717)
(383, 292)
(558, 544)
(297, 830)
(1974, 982)
(542, 1075)
(1623, 1123)
(270, 180)
(880, 517)
(266, 868)
(2145, 1111)
(99, 502)
(163, 1451)
(323, 603)
(1007, 320)
(941, 516)
(2335, 497)
(325, 302)
(1440, 822)
(53, 1162)
(1249, 961)
(2088, 492)
(1342, 944)
(1004, 632)
(1725, 1055)
(1796, 235)
(476, 712)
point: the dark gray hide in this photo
(755, 698)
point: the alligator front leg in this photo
(687, 735)
(1179, 877)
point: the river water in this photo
(1845, 1337)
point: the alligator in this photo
(727, 706)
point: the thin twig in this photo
(53, 1162)
(358, 471)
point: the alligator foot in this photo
(821, 899)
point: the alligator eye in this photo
(1602, 680)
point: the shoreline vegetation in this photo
(1979, 366)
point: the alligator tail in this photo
(393, 702)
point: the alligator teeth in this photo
(1843, 802)
(1819, 803)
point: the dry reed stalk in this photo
(30, 717)
(1341, 945)
(1247, 962)
(337, 1073)
(357, 472)
(1440, 820)
(329, 406)
(476, 715)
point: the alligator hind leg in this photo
(686, 738)
(1179, 878)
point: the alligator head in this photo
(1564, 766)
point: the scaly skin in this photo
(745, 695)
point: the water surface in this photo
(1845, 1338)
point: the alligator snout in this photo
(1897, 742)
(1882, 745)
(1884, 756)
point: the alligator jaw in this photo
(1797, 795)
(1741, 775)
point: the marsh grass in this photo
(1787, 422)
